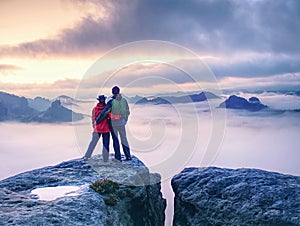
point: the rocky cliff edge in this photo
(215, 196)
(136, 198)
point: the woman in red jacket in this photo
(101, 128)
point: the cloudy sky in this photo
(46, 47)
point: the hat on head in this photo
(101, 98)
(115, 90)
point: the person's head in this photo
(101, 99)
(115, 90)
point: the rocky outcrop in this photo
(214, 196)
(56, 113)
(68, 101)
(137, 198)
(235, 102)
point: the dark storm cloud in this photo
(215, 27)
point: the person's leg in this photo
(116, 144)
(124, 141)
(105, 149)
(92, 145)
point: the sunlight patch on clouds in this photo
(32, 19)
(48, 90)
(40, 71)
(94, 9)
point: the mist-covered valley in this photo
(158, 133)
(168, 138)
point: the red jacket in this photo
(101, 127)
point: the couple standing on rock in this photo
(110, 118)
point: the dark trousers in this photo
(115, 131)
(105, 141)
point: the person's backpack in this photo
(119, 109)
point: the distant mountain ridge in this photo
(39, 103)
(203, 96)
(42, 104)
(15, 108)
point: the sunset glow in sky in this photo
(47, 46)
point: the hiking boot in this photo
(128, 159)
(116, 160)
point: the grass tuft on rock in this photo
(104, 186)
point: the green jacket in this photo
(120, 107)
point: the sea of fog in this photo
(168, 138)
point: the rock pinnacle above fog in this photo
(56, 113)
(235, 102)
(135, 200)
(215, 196)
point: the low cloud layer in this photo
(281, 82)
(9, 69)
(19, 151)
(256, 66)
(161, 134)
(265, 142)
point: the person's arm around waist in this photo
(104, 112)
